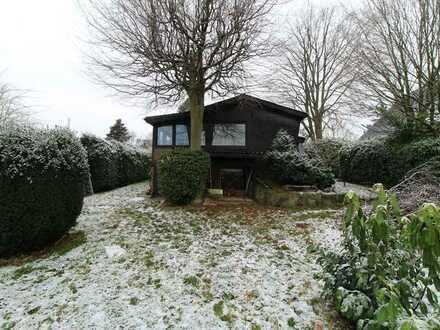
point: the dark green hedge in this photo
(384, 161)
(114, 164)
(42, 185)
(183, 174)
(286, 165)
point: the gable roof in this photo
(265, 105)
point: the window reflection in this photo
(182, 135)
(229, 135)
(165, 135)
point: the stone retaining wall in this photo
(297, 200)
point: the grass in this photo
(149, 259)
(139, 218)
(34, 310)
(218, 309)
(134, 301)
(67, 243)
(192, 280)
(291, 322)
(64, 245)
(24, 270)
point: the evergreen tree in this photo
(118, 132)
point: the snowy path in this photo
(145, 268)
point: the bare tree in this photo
(173, 49)
(316, 69)
(400, 58)
(13, 111)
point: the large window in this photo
(165, 135)
(182, 135)
(229, 135)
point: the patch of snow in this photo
(114, 251)
(175, 268)
(364, 192)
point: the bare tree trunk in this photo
(196, 100)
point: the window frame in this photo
(230, 145)
(175, 136)
(172, 136)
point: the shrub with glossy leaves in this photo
(42, 186)
(183, 174)
(389, 259)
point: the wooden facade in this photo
(253, 123)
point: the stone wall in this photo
(297, 200)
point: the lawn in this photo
(131, 264)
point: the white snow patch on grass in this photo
(241, 267)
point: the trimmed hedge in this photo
(369, 162)
(42, 186)
(382, 160)
(286, 165)
(183, 174)
(114, 164)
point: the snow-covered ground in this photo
(143, 267)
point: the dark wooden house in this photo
(237, 132)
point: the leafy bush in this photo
(289, 166)
(384, 161)
(183, 174)
(114, 164)
(369, 162)
(389, 260)
(103, 162)
(327, 150)
(133, 164)
(42, 185)
(418, 152)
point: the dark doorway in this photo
(233, 182)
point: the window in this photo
(165, 135)
(182, 135)
(229, 135)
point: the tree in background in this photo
(399, 63)
(13, 111)
(118, 132)
(316, 71)
(172, 49)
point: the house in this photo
(237, 132)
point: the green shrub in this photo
(327, 150)
(42, 185)
(369, 162)
(183, 174)
(382, 160)
(386, 274)
(286, 165)
(419, 152)
(103, 163)
(114, 164)
(133, 164)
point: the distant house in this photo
(237, 132)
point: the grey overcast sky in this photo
(40, 51)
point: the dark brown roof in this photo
(267, 105)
